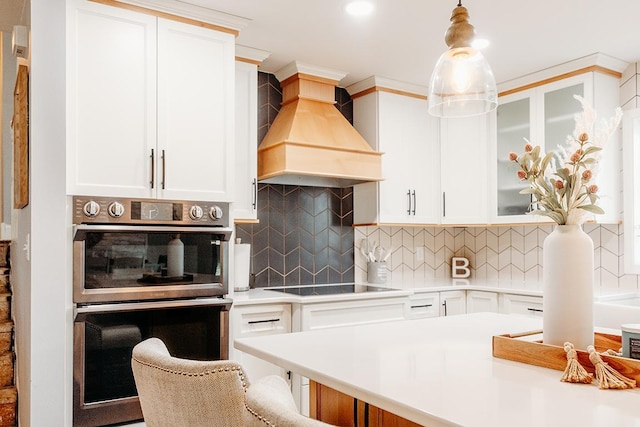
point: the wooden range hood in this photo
(311, 143)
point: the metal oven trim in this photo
(93, 296)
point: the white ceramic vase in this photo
(568, 287)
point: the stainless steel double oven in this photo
(143, 268)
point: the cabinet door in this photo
(482, 301)
(246, 142)
(631, 223)
(196, 91)
(409, 164)
(514, 118)
(452, 303)
(258, 321)
(402, 129)
(521, 304)
(464, 176)
(111, 100)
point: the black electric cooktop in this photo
(343, 288)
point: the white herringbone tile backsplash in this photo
(423, 255)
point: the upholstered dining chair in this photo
(177, 392)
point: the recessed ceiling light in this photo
(359, 8)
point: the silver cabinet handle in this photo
(413, 194)
(164, 168)
(253, 322)
(537, 310)
(254, 185)
(409, 197)
(422, 306)
(444, 204)
(444, 303)
(153, 168)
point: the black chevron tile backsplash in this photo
(305, 234)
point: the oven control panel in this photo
(108, 210)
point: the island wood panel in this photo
(336, 408)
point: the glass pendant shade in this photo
(462, 83)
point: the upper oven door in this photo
(134, 263)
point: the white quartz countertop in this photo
(270, 296)
(267, 296)
(441, 372)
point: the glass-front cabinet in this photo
(631, 168)
(514, 127)
(543, 115)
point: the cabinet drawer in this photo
(252, 321)
(345, 313)
(422, 306)
(521, 304)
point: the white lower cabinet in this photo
(307, 317)
(453, 302)
(257, 321)
(521, 304)
(434, 304)
(482, 301)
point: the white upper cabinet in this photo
(150, 106)
(464, 175)
(196, 75)
(246, 142)
(631, 141)
(111, 102)
(545, 116)
(399, 126)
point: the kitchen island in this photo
(441, 372)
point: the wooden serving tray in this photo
(515, 347)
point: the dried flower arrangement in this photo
(567, 194)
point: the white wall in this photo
(9, 67)
(42, 300)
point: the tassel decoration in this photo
(575, 372)
(608, 377)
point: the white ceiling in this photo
(13, 12)
(403, 39)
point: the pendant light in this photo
(462, 84)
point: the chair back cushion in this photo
(178, 392)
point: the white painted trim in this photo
(599, 59)
(383, 82)
(313, 70)
(192, 11)
(250, 53)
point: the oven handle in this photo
(148, 305)
(80, 230)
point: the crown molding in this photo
(597, 59)
(382, 83)
(296, 67)
(192, 11)
(250, 54)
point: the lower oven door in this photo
(104, 390)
